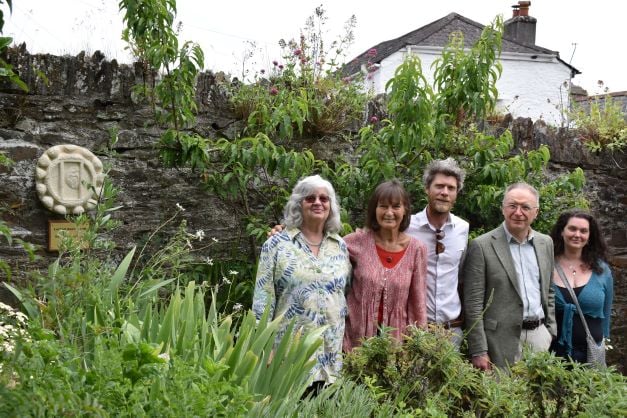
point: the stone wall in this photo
(83, 98)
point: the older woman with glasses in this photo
(303, 272)
(389, 269)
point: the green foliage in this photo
(6, 69)
(466, 82)
(603, 126)
(436, 122)
(342, 399)
(117, 338)
(246, 175)
(305, 94)
(426, 374)
(151, 37)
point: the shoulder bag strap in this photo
(560, 272)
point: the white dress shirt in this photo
(443, 303)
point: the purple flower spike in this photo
(372, 53)
(274, 91)
(374, 120)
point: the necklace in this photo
(311, 244)
(572, 268)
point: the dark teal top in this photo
(595, 300)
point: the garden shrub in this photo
(425, 373)
(304, 94)
(602, 126)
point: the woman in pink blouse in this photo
(389, 269)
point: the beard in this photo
(439, 206)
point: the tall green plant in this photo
(151, 36)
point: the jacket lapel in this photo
(501, 249)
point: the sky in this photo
(589, 35)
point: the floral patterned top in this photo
(401, 289)
(296, 283)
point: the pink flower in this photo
(280, 66)
(374, 120)
(274, 91)
(347, 80)
(298, 52)
(275, 63)
(372, 53)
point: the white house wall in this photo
(528, 87)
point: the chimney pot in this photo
(524, 8)
(515, 11)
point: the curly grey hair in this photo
(448, 167)
(293, 212)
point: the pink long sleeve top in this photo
(401, 288)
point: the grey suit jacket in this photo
(493, 305)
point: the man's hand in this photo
(482, 362)
(276, 230)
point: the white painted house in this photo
(535, 82)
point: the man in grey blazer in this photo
(508, 299)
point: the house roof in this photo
(437, 34)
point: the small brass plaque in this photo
(57, 228)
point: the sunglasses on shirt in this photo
(439, 245)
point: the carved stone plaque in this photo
(69, 179)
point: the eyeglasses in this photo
(439, 245)
(524, 208)
(312, 198)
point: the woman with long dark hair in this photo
(580, 251)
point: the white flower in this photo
(199, 235)
(164, 356)
(233, 272)
(214, 239)
(179, 207)
(6, 307)
(237, 307)
(209, 261)
(21, 317)
(7, 347)
(225, 280)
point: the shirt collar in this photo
(423, 220)
(294, 232)
(510, 237)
